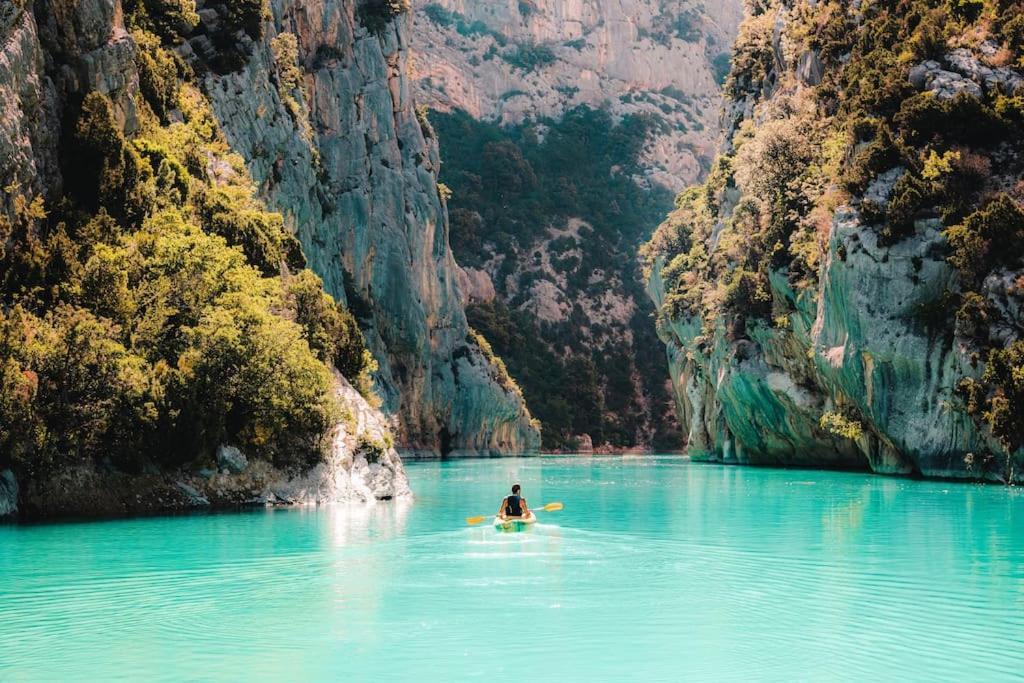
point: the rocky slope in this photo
(506, 61)
(337, 147)
(845, 289)
(564, 128)
(359, 466)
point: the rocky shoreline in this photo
(359, 467)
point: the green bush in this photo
(72, 389)
(172, 20)
(962, 120)
(721, 65)
(331, 331)
(842, 426)
(439, 15)
(529, 56)
(997, 400)
(990, 237)
(747, 295)
(1011, 30)
(909, 196)
(247, 16)
(972, 318)
(103, 170)
(158, 74)
(247, 377)
(375, 15)
(235, 215)
(877, 156)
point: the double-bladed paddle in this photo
(550, 507)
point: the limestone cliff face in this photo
(342, 154)
(809, 313)
(53, 53)
(524, 71)
(57, 52)
(506, 60)
(344, 157)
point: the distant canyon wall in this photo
(511, 59)
(551, 249)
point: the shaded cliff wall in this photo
(342, 154)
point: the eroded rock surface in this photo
(355, 172)
(856, 357)
(502, 60)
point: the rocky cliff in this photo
(310, 108)
(564, 129)
(330, 133)
(507, 60)
(157, 312)
(845, 289)
(110, 290)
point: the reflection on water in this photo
(350, 524)
(656, 569)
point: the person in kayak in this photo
(514, 506)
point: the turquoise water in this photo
(657, 569)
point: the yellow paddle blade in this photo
(551, 507)
(475, 520)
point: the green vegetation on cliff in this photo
(155, 309)
(515, 189)
(909, 113)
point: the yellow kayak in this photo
(514, 524)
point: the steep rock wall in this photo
(594, 95)
(507, 60)
(808, 299)
(345, 158)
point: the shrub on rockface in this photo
(962, 120)
(990, 237)
(331, 331)
(172, 20)
(234, 214)
(997, 399)
(246, 376)
(134, 335)
(247, 16)
(106, 170)
(375, 15)
(158, 73)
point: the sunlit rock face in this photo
(345, 158)
(847, 343)
(508, 60)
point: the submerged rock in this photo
(194, 498)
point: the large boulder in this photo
(232, 460)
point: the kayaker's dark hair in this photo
(515, 489)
